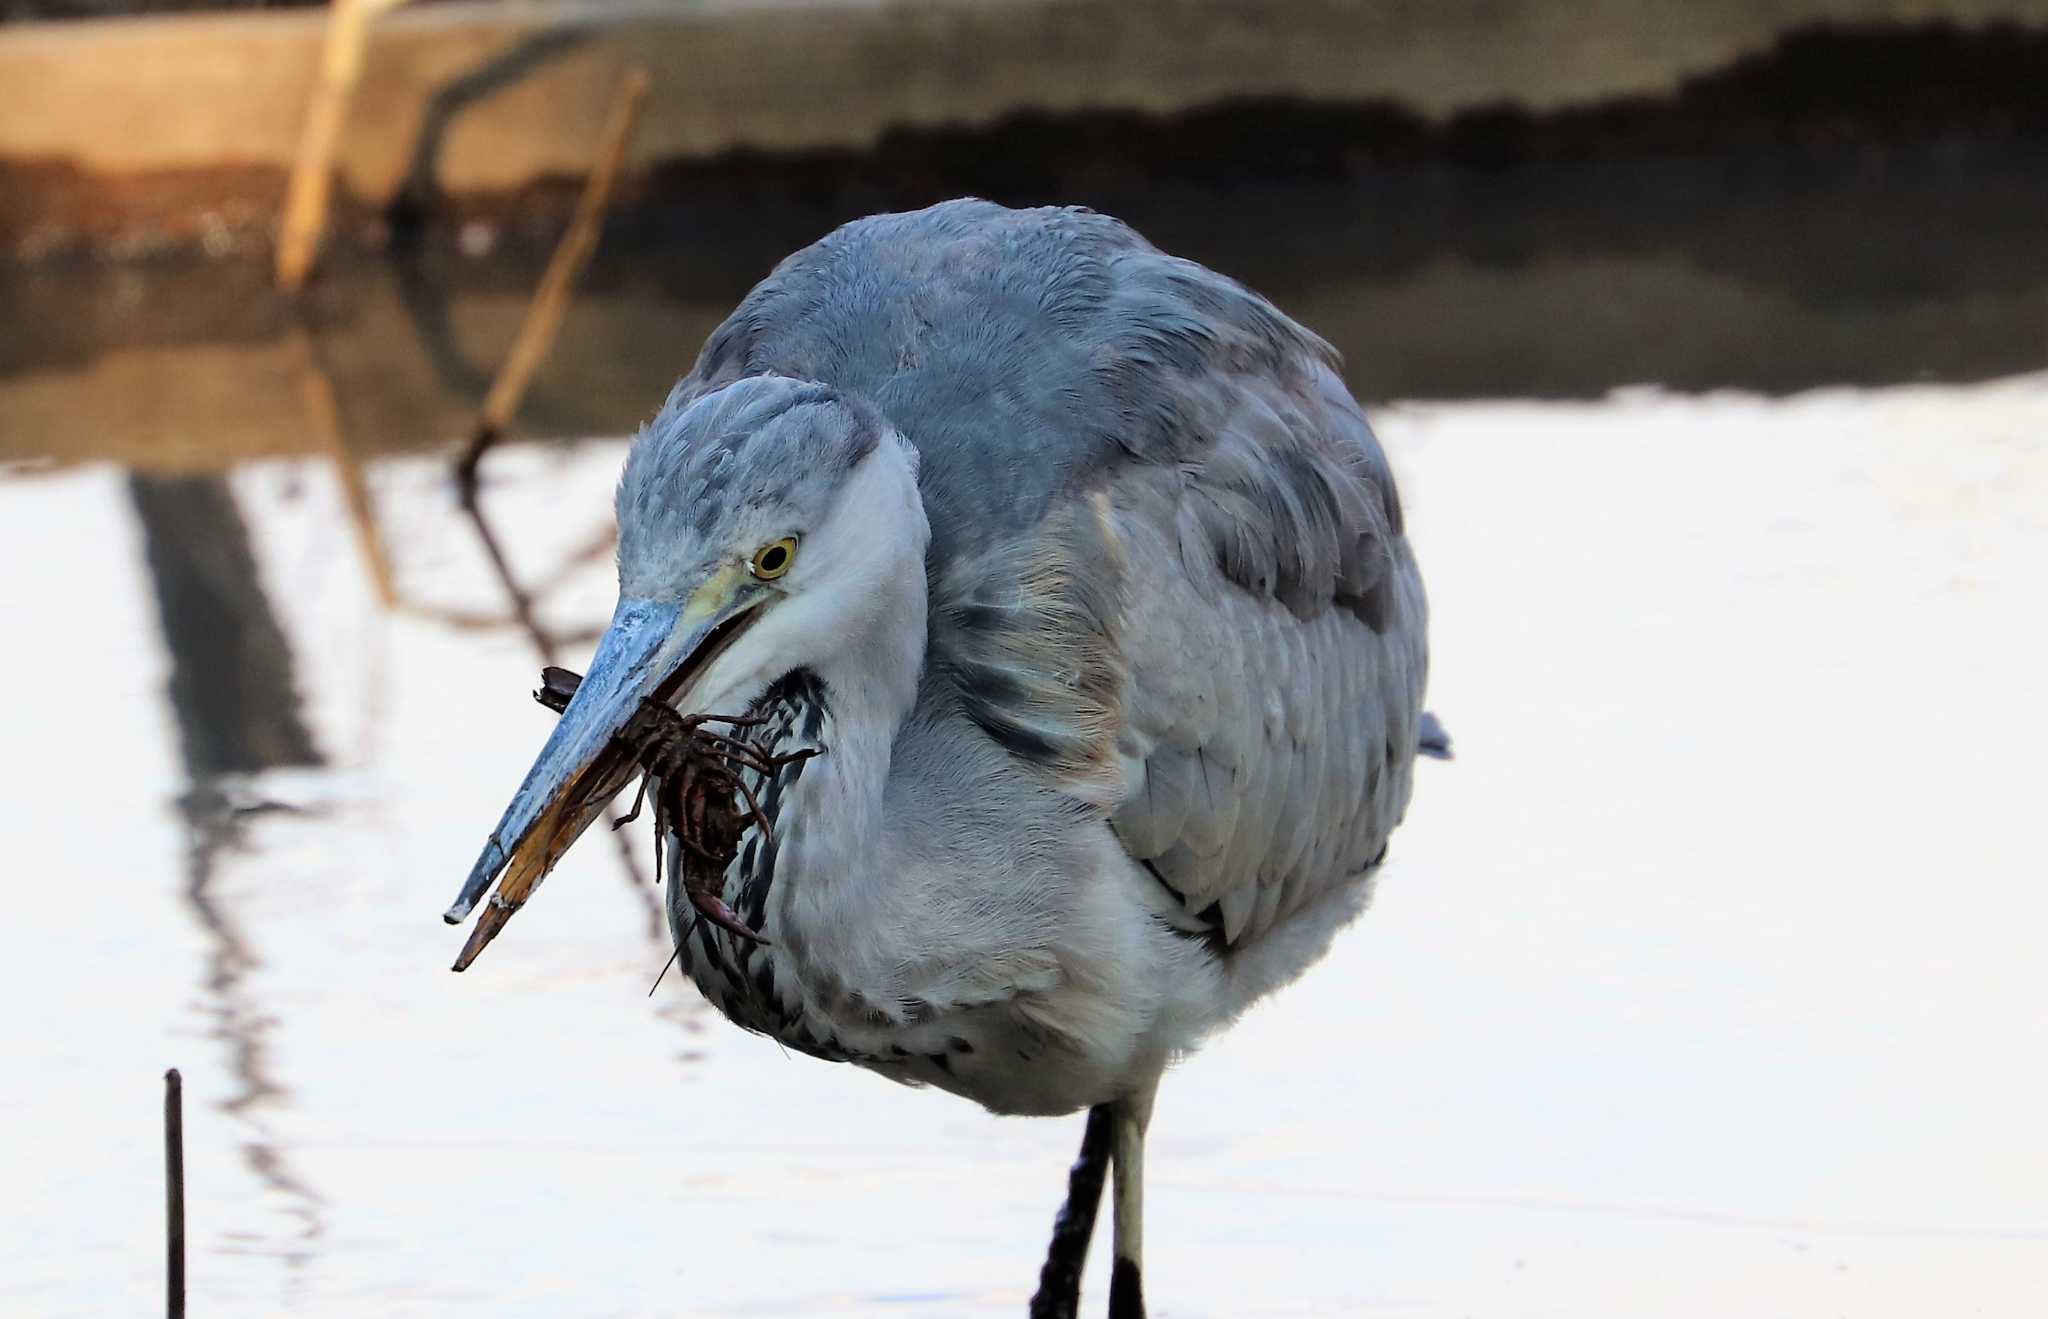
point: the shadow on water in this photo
(419, 197)
(231, 690)
(420, 194)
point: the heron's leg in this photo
(1059, 1282)
(1129, 1117)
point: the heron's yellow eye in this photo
(773, 559)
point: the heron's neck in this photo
(868, 690)
(830, 843)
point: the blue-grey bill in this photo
(580, 769)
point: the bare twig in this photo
(522, 603)
(341, 68)
(174, 1194)
(551, 299)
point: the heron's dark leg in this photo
(1059, 1282)
(1129, 1117)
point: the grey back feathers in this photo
(1167, 566)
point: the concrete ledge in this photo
(488, 97)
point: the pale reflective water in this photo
(1706, 981)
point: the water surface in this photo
(1703, 982)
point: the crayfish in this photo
(700, 798)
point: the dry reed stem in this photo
(312, 182)
(551, 298)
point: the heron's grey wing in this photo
(1272, 633)
(1224, 651)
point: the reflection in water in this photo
(231, 671)
(232, 693)
(214, 828)
(1765, 272)
(1620, 1119)
(420, 194)
(426, 299)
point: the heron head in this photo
(762, 527)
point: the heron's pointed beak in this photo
(651, 650)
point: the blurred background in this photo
(1709, 341)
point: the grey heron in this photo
(1084, 578)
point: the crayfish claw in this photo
(713, 909)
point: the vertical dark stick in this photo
(174, 1193)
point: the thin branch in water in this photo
(174, 1194)
(312, 181)
(522, 603)
(551, 299)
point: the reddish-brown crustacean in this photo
(699, 796)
